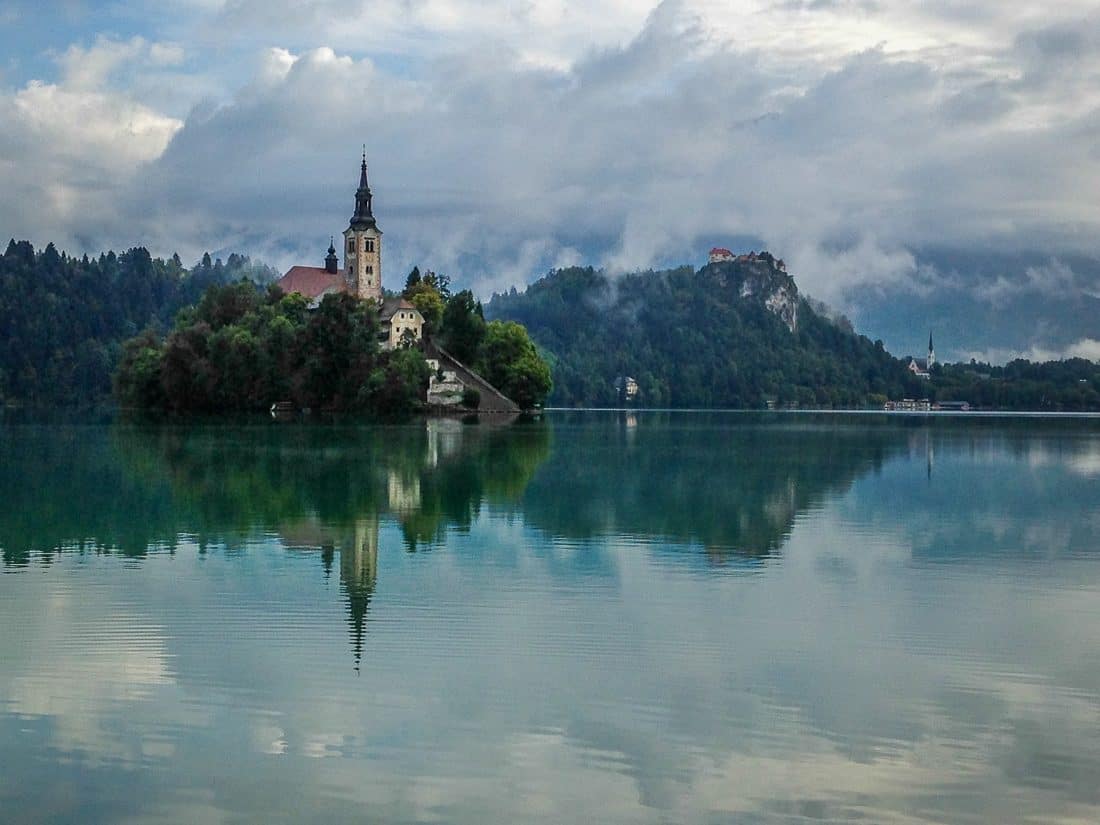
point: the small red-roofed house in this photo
(719, 255)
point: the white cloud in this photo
(1055, 276)
(69, 151)
(1087, 348)
(507, 137)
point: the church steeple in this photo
(363, 217)
(332, 263)
(363, 244)
(931, 351)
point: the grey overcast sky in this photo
(507, 137)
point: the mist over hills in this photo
(726, 335)
(990, 306)
(732, 334)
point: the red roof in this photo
(311, 281)
(720, 251)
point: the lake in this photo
(595, 617)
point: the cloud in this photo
(1054, 276)
(507, 138)
(1087, 348)
(69, 148)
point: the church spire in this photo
(364, 216)
(332, 263)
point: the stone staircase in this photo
(492, 399)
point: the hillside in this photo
(63, 319)
(733, 334)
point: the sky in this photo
(506, 137)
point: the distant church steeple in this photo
(931, 351)
(363, 243)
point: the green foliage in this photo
(138, 380)
(695, 339)
(1072, 385)
(463, 326)
(398, 384)
(471, 398)
(63, 319)
(511, 363)
(241, 350)
(428, 294)
(692, 339)
(430, 304)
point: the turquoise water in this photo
(597, 617)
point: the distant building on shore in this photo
(922, 367)
(361, 274)
(627, 389)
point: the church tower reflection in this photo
(357, 547)
(416, 483)
(358, 577)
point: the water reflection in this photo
(544, 625)
(699, 480)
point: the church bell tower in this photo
(363, 244)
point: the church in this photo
(361, 275)
(922, 367)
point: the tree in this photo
(397, 386)
(512, 364)
(137, 382)
(430, 304)
(463, 326)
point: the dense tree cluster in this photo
(63, 319)
(1072, 385)
(691, 340)
(242, 350)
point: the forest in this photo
(690, 339)
(1070, 385)
(63, 319)
(693, 339)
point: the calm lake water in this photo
(598, 617)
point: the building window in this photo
(370, 269)
(351, 245)
(370, 245)
(351, 269)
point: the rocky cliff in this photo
(761, 280)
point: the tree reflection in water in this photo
(733, 485)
